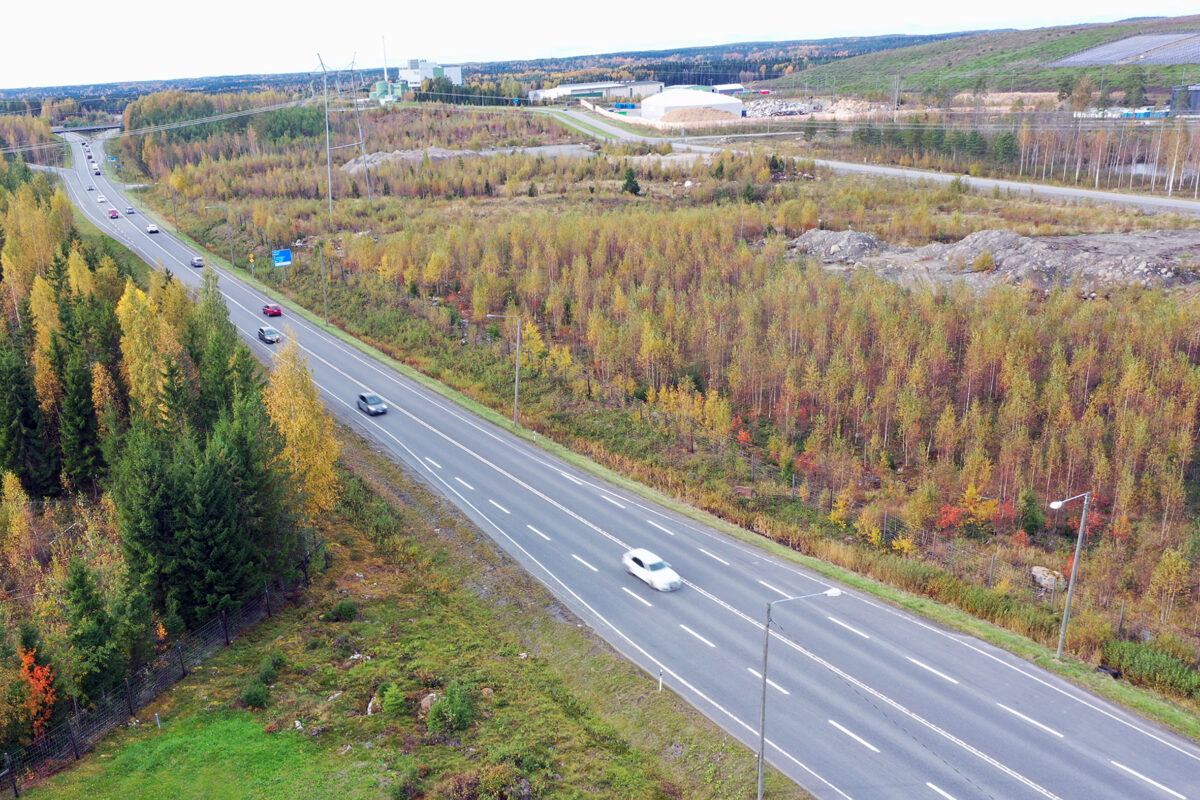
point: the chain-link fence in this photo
(79, 733)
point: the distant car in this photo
(128, 209)
(269, 335)
(647, 567)
(112, 213)
(272, 310)
(96, 171)
(197, 261)
(371, 403)
(91, 188)
(100, 199)
(151, 228)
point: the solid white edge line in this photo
(850, 628)
(855, 737)
(539, 533)
(614, 502)
(867, 689)
(944, 794)
(660, 527)
(773, 589)
(640, 599)
(698, 636)
(464, 483)
(714, 558)
(770, 682)
(1150, 781)
(497, 505)
(941, 675)
(1030, 720)
(586, 564)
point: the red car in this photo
(272, 310)
(112, 213)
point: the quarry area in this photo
(1090, 263)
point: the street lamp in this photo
(517, 375)
(229, 225)
(762, 711)
(1057, 504)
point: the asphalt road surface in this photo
(863, 701)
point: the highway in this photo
(864, 701)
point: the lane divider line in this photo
(637, 597)
(941, 675)
(1030, 720)
(497, 505)
(586, 564)
(850, 628)
(770, 682)
(539, 533)
(855, 737)
(1154, 783)
(698, 636)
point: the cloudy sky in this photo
(73, 42)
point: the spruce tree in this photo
(79, 433)
(91, 631)
(23, 446)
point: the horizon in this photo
(532, 33)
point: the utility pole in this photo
(361, 143)
(328, 157)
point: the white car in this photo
(151, 228)
(100, 199)
(645, 566)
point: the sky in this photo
(71, 42)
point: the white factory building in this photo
(419, 69)
(676, 98)
(628, 89)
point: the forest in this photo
(149, 477)
(670, 332)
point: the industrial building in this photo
(673, 99)
(629, 89)
(389, 92)
(418, 70)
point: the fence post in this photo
(225, 628)
(129, 697)
(182, 666)
(992, 571)
(267, 598)
(12, 775)
(71, 738)
(1121, 619)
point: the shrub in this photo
(255, 694)
(406, 779)
(344, 611)
(394, 701)
(1145, 665)
(455, 711)
(268, 670)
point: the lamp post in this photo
(517, 372)
(229, 225)
(762, 711)
(1057, 504)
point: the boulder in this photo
(1048, 579)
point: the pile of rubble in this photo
(1090, 263)
(373, 160)
(772, 107)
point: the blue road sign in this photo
(283, 258)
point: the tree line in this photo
(150, 477)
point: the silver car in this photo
(371, 403)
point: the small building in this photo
(729, 88)
(664, 103)
(1185, 99)
(388, 92)
(626, 89)
(419, 69)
